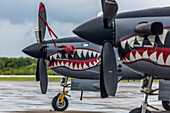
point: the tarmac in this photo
(25, 97)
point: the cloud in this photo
(62, 29)
(18, 19)
(14, 37)
(74, 11)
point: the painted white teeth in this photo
(62, 63)
(153, 56)
(94, 54)
(55, 56)
(66, 56)
(51, 57)
(145, 54)
(138, 56)
(51, 67)
(80, 68)
(152, 39)
(75, 67)
(123, 43)
(168, 60)
(58, 64)
(90, 64)
(71, 66)
(66, 64)
(98, 60)
(124, 60)
(79, 51)
(160, 59)
(132, 57)
(85, 66)
(163, 36)
(140, 39)
(98, 54)
(127, 60)
(55, 64)
(85, 52)
(90, 52)
(131, 41)
(94, 63)
(59, 54)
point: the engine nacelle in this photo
(150, 28)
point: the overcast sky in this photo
(18, 19)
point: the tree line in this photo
(19, 66)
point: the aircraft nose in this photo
(94, 31)
(36, 50)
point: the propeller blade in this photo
(42, 21)
(43, 76)
(102, 3)
(108, 75)
(109, 12)
(102, 87)
(37, 71)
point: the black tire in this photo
(138, 110)
(166, 105)
(57, 106)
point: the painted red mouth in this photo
(157, 55)
(83, 59)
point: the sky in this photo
(18, 19)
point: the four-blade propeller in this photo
(38, 50)
(108, 71)
(41, 71)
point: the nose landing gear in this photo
(147, 89)
(60, 102)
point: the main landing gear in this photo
(60, 102)
(147, 89)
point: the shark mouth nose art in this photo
(83, 59)
(153, 49)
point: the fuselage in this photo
(146, 55)
(85, 63)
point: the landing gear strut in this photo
(147, 89)
(60, 102)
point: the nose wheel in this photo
(60, 102)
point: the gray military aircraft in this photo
(142, 38)
(72, 57)
(142, 41)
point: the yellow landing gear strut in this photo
(62, 95)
